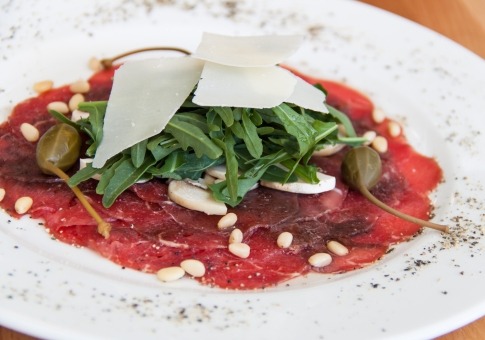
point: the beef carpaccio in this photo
(149, 232)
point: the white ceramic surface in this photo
(432, 86)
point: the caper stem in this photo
(107, 63)
(104, 227)
(412, 219)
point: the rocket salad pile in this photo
(249, 142)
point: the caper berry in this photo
(361, 170)
(59, 146)
(361, 166)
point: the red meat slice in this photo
(150, 232)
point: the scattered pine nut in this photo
(2, 194)
(236, 236)
(78, 115)
(29, 132)
(227, 221)
(170, 274)
(75, 100)
(241, 250)
(337, 248)
(378, 116)
(60, 107)
(380, 144)
(370, 136)
(394, 129)
(80, 86)
(284, 239)
(43, 86)
(320, 260)
(23, 204)
(95, 65)
(193, 267)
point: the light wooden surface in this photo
(459, 20)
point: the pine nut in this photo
(227, 221)
(241, 250)
(341, 130)
(2, 194)
(75, 100)
(43, 86)
(193, 267)
(208, 179)
(95, 65)
(337, 248)
(284, 239)
(320, 260)
(23, 204)
(170, 274)
(80, 86)
(236, 236)
(29, 132)
(378, 116)
(370, 136)
(394, 129)
(77, 115)
(380, 144)
(60, 107)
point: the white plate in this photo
(424, 288)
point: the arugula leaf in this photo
(248, 179)
(296, 125)
(63, 119)
(253, 143)
(191, 136)
(342, 118)
(125, 175)
(108, 174)
(138, 153)
(226, 115)
(250, 136)
(96, 112)
(194, 119)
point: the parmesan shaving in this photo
(145, 96)
(307, 96)
(247, 51)
(255, 87)
(228, 71)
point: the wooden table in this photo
(460, 20)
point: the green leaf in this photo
(226, 115)
(63, 119)
(108, 173)
(138, 152)
(83, 175)
(191, 136)
(308, 173)
(250, 136)
(296, 125)
(343, 119)
(255, 117)
(96, 112)
(194, 119)
(248, 179)
(265, 130)
(125, 175)
(324, 129)
(277, 174)
(232, 167)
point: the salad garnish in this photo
(263, 142)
